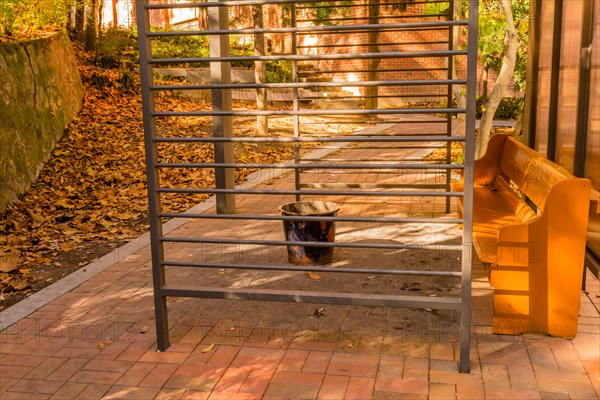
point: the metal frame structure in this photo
(224, 163)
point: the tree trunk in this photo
(91, 36)
(115, 14)
(484, 84)
(167, 16)
(502, 82)
(79, 15)
(373, 64)
(260, 71)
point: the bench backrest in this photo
(530, 171)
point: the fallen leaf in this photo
(314, 276)
(102, 345)
(208, 348)
(9, 264)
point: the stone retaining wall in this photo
(40, 92)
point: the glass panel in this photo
(569, 83)
(592, 149)
(544, 75)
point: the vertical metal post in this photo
(154, 207)
(554, 80)
(296, 104)
(585, 72)
(449, 103)
(465, 314)
(220, 72)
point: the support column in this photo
(220, 72)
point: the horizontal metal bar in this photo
(291, 85)
(380, 96)
(311, 166)
(361, 5)
(386, 220)
(348, 139)
(310, 29)
(372, 185)
(335, 46)
(379, 18)
(382, 71)
(309, 192)
(373, 160)
(343, 270)
(388, 246)
(313, 57)
(364, 299)
(387, 111)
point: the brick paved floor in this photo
(97, 340)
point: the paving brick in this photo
(442, 351)
(391, 366)
(333, 387)
(416, 369)
(317, 361)
(222, 356)
(159, 375)
(293, 360)
(232, 379)
(298, 378)
(395, 385)
(136, 374)
(108, 365)
(101, 377)
(257, 381)
(465, 392)
(277, 390)
(6, 383)
(134, 352)
(11, 360)
(130, 392)
(14, 372)
(256, 357)
(163, 357)
(554, 396)
(495, 393)
(563, 386)
(495, 375)
(202, 378)
(360, 388)
(521, 376)
(195, 395)
(455, 378)
(20, 396)
(67, 370)
(353, 365)
(36, 386)
(69, 390)
(442, 391)
(113, 350)
(170, 394)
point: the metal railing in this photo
(328, 62)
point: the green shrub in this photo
(117, 47)
(27, 18)
(508, 109)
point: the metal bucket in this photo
(309, 231)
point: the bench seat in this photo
(533, 254)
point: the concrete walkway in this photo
(92, 335)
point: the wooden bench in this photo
(529, 230)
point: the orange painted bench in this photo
(529, 230)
